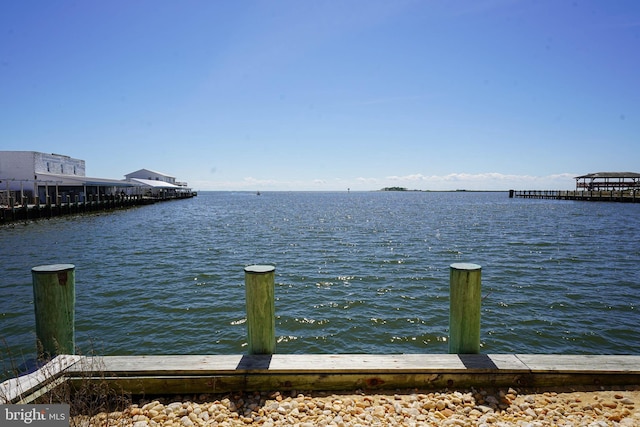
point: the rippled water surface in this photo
(355, 273)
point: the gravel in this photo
(499, 408)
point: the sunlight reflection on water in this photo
(355, 273)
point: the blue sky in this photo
(327, 95)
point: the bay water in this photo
(356, 272)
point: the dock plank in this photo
(301, 363)
(506, 362)
(588, 364)
(349, 363)
(178, 374)
(345, 363)
(161, 365)
(22, 388)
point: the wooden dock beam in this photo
(195, 374)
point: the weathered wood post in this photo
(464, 308)
(261, 313)
(25, 206)
(54, 299)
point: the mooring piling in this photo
(260, 300)
(54, 304)
(464, 308)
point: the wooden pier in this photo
(628, 196)
(217, 374)
(36, 210)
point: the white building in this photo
(33, 174)
(157, 182)
(25, 165)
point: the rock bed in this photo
(505, 407)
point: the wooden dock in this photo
(213, 374)
(628, 196)
(27, 211)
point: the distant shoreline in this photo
(353, 191)
(401, 189)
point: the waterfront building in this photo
(39, 175)
(157, 183)
(42, 177)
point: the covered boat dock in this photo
(593, 187)
(608, 181)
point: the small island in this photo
(394, 189)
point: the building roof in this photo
(60, 179)
(610, 175)
(80, 180)
(147, 171)
(154, 184)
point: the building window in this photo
(48, 167)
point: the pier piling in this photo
(464, 308)
(54, 304)
(260, 300)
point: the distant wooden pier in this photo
(628, 196)
(24, 210)
(593, 187)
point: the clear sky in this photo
(327, 95)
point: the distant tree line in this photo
(394, 189)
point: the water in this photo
(355, 273)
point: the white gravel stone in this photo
(507, 408)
